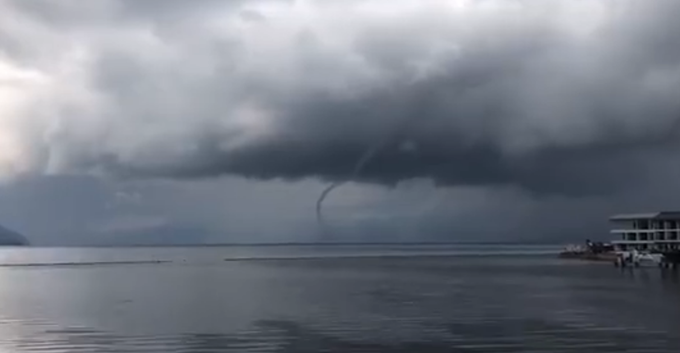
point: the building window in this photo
(643, 224)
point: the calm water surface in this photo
(331, 299)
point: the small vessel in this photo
(638, 258)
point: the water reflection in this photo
(281, 336)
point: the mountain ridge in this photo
(10, 237)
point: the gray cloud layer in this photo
(574, 97)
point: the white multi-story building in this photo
(647, 231)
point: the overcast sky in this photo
(221, 121)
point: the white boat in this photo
(638, 258)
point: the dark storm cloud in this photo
(511, 97)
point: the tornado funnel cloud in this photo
(358, 167)
(323, 196)
(401, 127)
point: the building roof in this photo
(663, 215)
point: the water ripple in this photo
(427, 305)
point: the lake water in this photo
(331, 299)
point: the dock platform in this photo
(671, 259)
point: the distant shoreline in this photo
(85, 263)
(304, 244)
